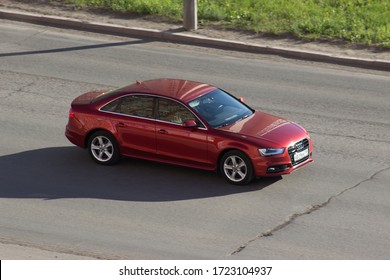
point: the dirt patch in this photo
(59, 8)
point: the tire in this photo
(103, 148)
(236, 167)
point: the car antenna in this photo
(138, 82)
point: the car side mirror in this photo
(190, 124)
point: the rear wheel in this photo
(236, 167)
(103, 148)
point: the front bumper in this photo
(276, 168)
(295, 156)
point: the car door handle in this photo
(121, 124)
(163, 131)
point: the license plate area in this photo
(298, 156)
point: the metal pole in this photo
(190, 15)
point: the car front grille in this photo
(298, 147)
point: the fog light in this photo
(278, 168)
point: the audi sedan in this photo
(190, 124)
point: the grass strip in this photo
(358, 21)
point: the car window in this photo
(219, 108)
(133, 105)
(171, 111)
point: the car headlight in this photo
(266, 152)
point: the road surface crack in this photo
(11, 94)
(309, 210)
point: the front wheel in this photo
(103, 148)
(236, 168)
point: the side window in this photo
(133, 105)
(111, 107)
(171, 111)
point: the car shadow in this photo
(68, 172)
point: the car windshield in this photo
(219, 108)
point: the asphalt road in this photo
(55, 199)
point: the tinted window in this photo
(134, 105)
(111, 107)
(219, 108)
(171, 111)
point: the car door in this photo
(176, 143)
(135, 125)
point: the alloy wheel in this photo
(235, 168)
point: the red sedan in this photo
(187, 123)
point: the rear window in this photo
(110, 93)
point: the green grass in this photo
(358, 21)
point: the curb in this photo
(190, 39)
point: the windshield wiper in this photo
(223, 125)
(244, 117)
(229, 123)
(240, 119)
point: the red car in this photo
(187, 123)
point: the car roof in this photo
(183, 90)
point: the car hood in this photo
(271, 130)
